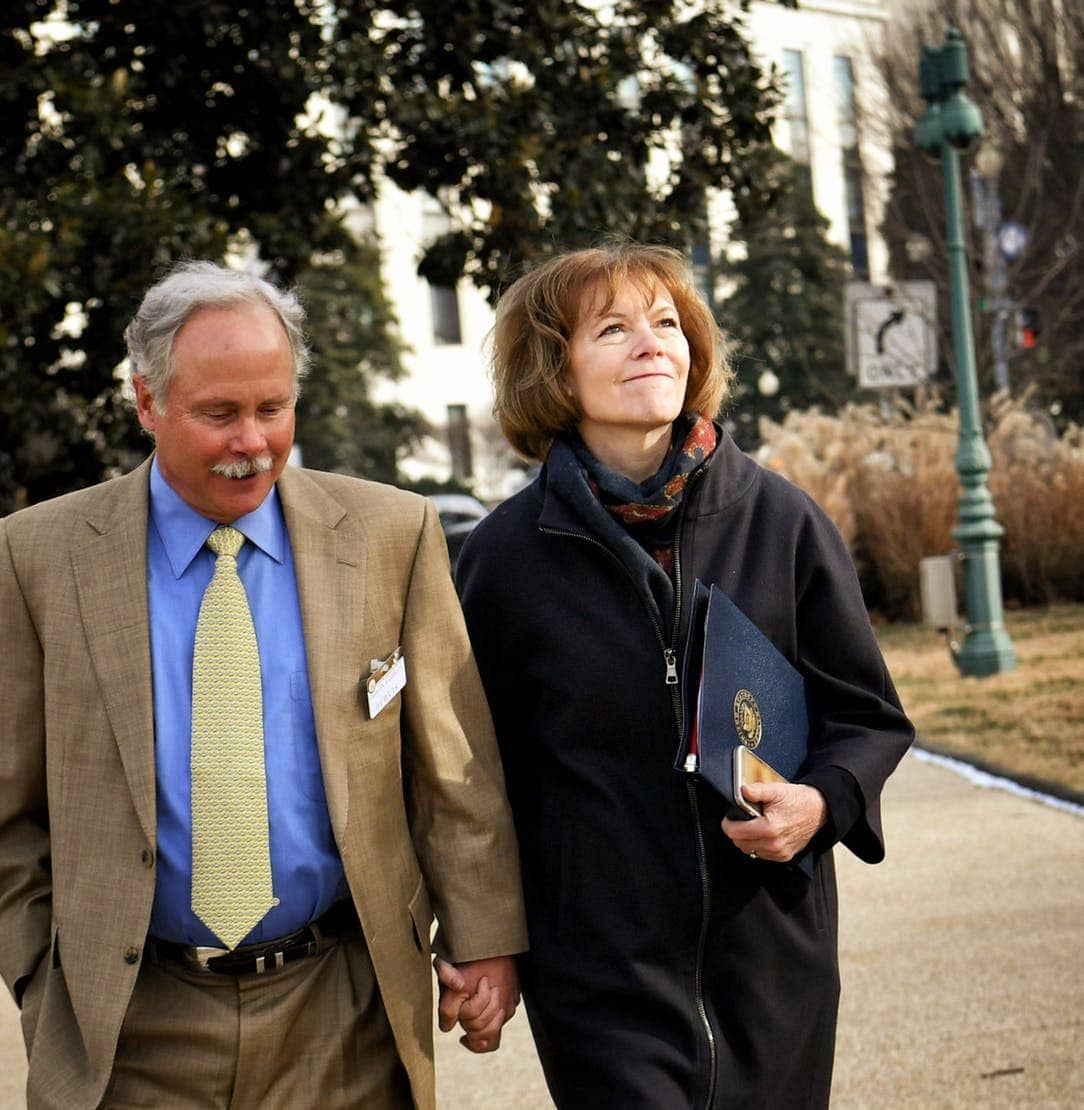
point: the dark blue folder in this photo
(739, 691)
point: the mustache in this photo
(243, 468)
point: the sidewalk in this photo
(962, 960)
(962, 963)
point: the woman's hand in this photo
(792, 815)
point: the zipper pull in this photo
(671, 666)
(692, 763)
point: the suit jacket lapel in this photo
(110, 568)
(329, 560)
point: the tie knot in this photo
(225, 540)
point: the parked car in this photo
(459, 513)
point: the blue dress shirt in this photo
(306, 870)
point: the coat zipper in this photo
(669, 654)
(701, 851)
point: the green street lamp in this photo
(949, 124)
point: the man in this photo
(242, 768)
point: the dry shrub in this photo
(1037, 483)
(887, 478)
(906, 493)
(820, 453)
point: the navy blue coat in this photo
(668, 970)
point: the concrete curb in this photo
(1002, 778)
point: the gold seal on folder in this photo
(747, 718)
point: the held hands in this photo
(792, 815)
(481, 995)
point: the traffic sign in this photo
(892, 333)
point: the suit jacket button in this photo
(147, 856)
(131, 955)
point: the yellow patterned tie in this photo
(231, 858)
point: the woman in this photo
(676, 961)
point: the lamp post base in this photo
(987, 648)
(986, 651)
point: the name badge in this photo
(387, 677)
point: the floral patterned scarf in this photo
(648, 509)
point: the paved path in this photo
(962, 963)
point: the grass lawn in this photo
(1029, 721)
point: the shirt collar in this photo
(183, 531)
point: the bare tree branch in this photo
(1027, 63)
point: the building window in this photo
(459, 443)
(703, 274)
(846, 107)
(443, 299)
(853, 175)
(797, 115)
(856, 219)
(444, 303)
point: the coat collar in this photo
(329, 553)
(726, 477)
(109, 563)
(729, 476)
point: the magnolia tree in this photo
(548, 124)
(134, 132)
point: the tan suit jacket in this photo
(416, 797)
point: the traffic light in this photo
(1027, 328)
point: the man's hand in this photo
(792, 815)
(481, 995)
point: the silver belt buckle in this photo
(197, 957)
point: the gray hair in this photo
(188, 287)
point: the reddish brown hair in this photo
(536, 317)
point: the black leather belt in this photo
(267, 955)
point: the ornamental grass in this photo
(886, 476)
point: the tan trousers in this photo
(310, 1035)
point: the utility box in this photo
(937, 584)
